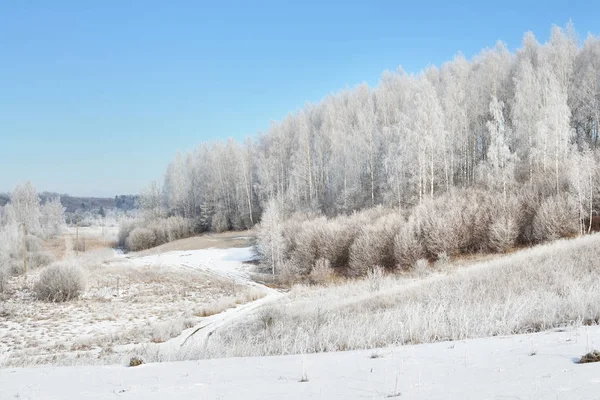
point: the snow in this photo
(535, 366)
(128, 300)
(227, 263)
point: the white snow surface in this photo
(534, 366)
(227, 263)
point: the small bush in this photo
(219, 222)
(125, 229)
(375, 277)
(441, 225)
(307, 245)
(590, 357)
(407, 246)
(503, 234)
(39, 259)
(79, 245)
(33, 243)
(322, 273)
(442, 259)
(4, 275)
(142, 234)
(421, 266)
(135, 362)
(141, 239)
(288, 274)
(269, 316)
(60, 282)
(337, 237)
(556, 218)
(374, 246)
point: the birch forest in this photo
(501, 122)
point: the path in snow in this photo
(535, 366)
(225, 263)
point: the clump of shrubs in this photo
(591, 357)
(374, 245)
(408, 247)
(556, 218)
(59, 283)
(145, 234)
(141, 239)
(439, 229)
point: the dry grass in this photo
(122, 304)
(223, 240)
(90, 238)
(528, 291)
(227, 302)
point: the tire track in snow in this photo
(224, 263)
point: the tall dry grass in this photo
(548, 286)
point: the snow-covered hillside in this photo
(536, 366)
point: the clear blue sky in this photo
(96, 97)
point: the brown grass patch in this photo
(223, 240)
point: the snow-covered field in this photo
(191, 304)
(536, 366)
(128, 301)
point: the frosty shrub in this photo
(528, 202)
(375, 276)
(33, 243)
(407, 246)
(308, 244)
(442, 259)
(141, 239)
(39, 259)
(421, 266)
(337, 237)
(288, 273)
(219, 222)
(322, 273)
(556, 218)
(125, 228)
(503, 233)
(441, 226)
(59, 282)
(477, 210)
(169, 229)
(374, 245)
(143, 234)
(4, 275)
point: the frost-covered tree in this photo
(582, 174)
(24, 207)
(151, 201)
(500, 160)
(270, 236)
(52, 217)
